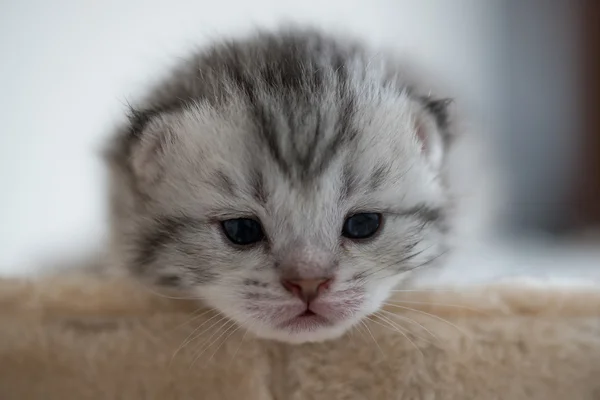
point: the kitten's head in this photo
(290, 181)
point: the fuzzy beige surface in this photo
(76, 337)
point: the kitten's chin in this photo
(293, 335)
(311, 328)
(327, 323)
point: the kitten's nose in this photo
(306, 289)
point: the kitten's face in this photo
(294, 212)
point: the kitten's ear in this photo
(432, 128)
(149, 142)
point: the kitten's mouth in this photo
(308, 320)
(307, 313)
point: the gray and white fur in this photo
(298, 130)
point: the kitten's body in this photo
(298, 131)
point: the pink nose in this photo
(306, 289)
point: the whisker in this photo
(412, 321)
(438, 305)
(226, 338)
(429, 262)
(239, 346)
(193, 318)
(399, 326)
(373, 337)
(398, 329)
(351, 331)
(204, 346)
(192, 336)
(188, 298)
(362, 333)
(153, 291)
(432, 316)
(431, 290)
(404, 328)
(229, 324)
(403, 260)
(419, 266)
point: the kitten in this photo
(290, 180)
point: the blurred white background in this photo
(68, 67)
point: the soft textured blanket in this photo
(77, 337)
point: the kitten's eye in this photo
(361, 226)
(243, 231)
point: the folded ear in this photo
(432, 128)
(151, 136)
